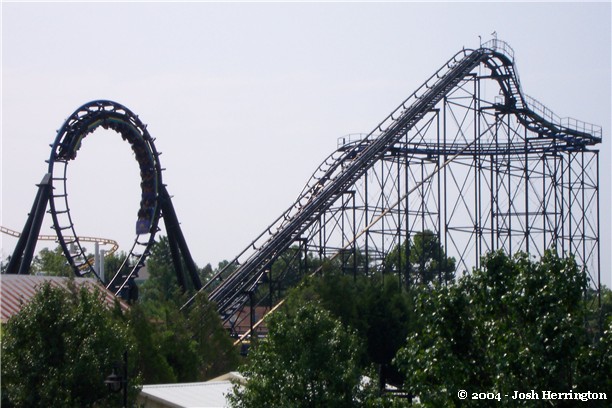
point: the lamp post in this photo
(117, 382)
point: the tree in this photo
(51, 262)
(190, 344)
(379, 312)
(424, 261)
(514, 324)
(58, 350)
(308, 360)
(213, 345)
(206, 273)
(182, 346)
(112, 263)
(387, 320)
(162, 285)
(285, 272)
(177, 344)
(149, 358)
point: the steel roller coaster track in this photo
(155, 201)
(114, 246)
(467, 156)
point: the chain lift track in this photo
(499, 148)
(155, 200)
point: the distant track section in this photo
(339, 171)
(104, 241)
(114, 246)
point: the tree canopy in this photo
(309, 359)
(379, 313)
(59, 349)
(422, 260)
(514, 324)
(191, 344)
(51, 262)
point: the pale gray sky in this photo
(246, 99)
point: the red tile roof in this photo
(17, 290)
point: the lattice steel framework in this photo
(504, 186)
(467, 156)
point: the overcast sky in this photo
(246, 99)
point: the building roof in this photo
(209, 394)
(18, 290)
(240, 322)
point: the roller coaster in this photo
(467, 156)
(114, 246)
(155, 200)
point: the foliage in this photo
(162, 285)
(379, 311)
(216, 352)
(308, 360)
(388, 319)
(424, 260)
(208, 272)
(192, 343)
(58, 350)
(181, 346)
(112, 263)
(166, 344)
(286, 272)
(149, 357)
(177, 345)
(51, 262)
(514, 324)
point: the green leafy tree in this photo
(192, 342)
(286, 272)
(162, 285)
(387, 320)
(4, 263)
(213, 345)
(514, 324)
(178, 345)
(379, 312)
(51, 262)
(149, 357)
(336, 292)
(206, 273)
(58, 350)
(423, 262)
(308, 360)
(112, 263)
